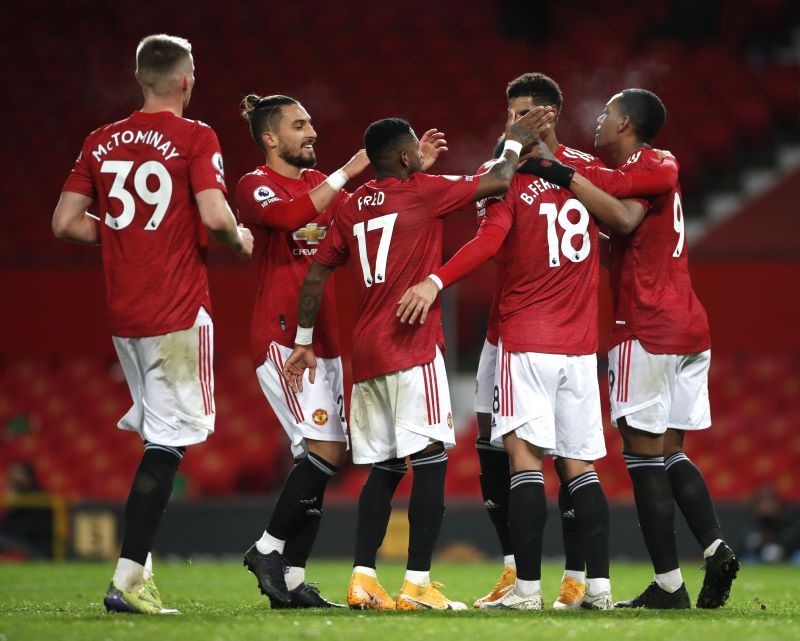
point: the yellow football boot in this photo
(500, 589)
(417, 597)
(571, 594)
(365, 593)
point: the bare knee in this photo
(640, 442)
(673, 442)
(574, 467)
(334, 452)
(522, 456)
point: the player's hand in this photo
(661, 154)
(528, 129)
(431, 146)
(358, 163)
(300, 360)
(416, 301)
(245, 249)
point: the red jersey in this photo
(652, 291)
(286, 242)
(143, 174)
(394, 227)
(549, 297)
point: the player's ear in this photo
(269, 139)
(624, 123)
(404, 159)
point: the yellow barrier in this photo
(59, 508)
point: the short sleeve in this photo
(333, 249)
(443, 194)
(206, 169)
(80, 178)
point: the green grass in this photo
(220, 602)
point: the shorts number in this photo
(612, 377)
(677, 223)
(581, 228)
(496, 400)
(340, 405)
(160, 197)
(386, 224)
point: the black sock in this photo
(298, 547)
(375, 508)
(304, 486)
(425, 507)
(693, 498)
(570, 532)
(527, 512)
(591, 514)
(495, 478)
(150, 492)
(656, 507)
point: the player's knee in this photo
(332, 452)
(574, 467)
(673, 442)
(640, 442)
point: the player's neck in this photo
(280, 166)
(552, 142)
(156, 104)
(387, 173)
(625, 150)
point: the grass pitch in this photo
(220, 602)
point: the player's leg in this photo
(690, 411)
(527, 515)
(591, 515)
(655, 506)
(312, 421)
(640, 393)
(494, 474)
(180, 412)
(423, 429)
(374, 511)
(573, 581)
(372, 434)
(580, 442)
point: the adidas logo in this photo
(310, 501)
(489, 504)
(569, 514)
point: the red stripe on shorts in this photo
(427, 393)
(201, 363)
(628, 370)
(437, 414)
(291, 400)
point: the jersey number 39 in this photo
(160, 197)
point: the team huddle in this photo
(547, 214)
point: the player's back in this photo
(651, 286)
(549, 293)
(143, 173)
(393, 230)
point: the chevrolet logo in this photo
(311, 233)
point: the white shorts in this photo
(484, 379)
(656, 391)
(171, 379)
(316, 413)
(550, 400)
(399, 414)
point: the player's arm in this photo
(72, 221)
(218, 218)
(620, 184)
(622, 216)
(286, 216)
(417, 300)
(519, 135)
(302, 357)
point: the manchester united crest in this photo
(320, 417)
(450, 420)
